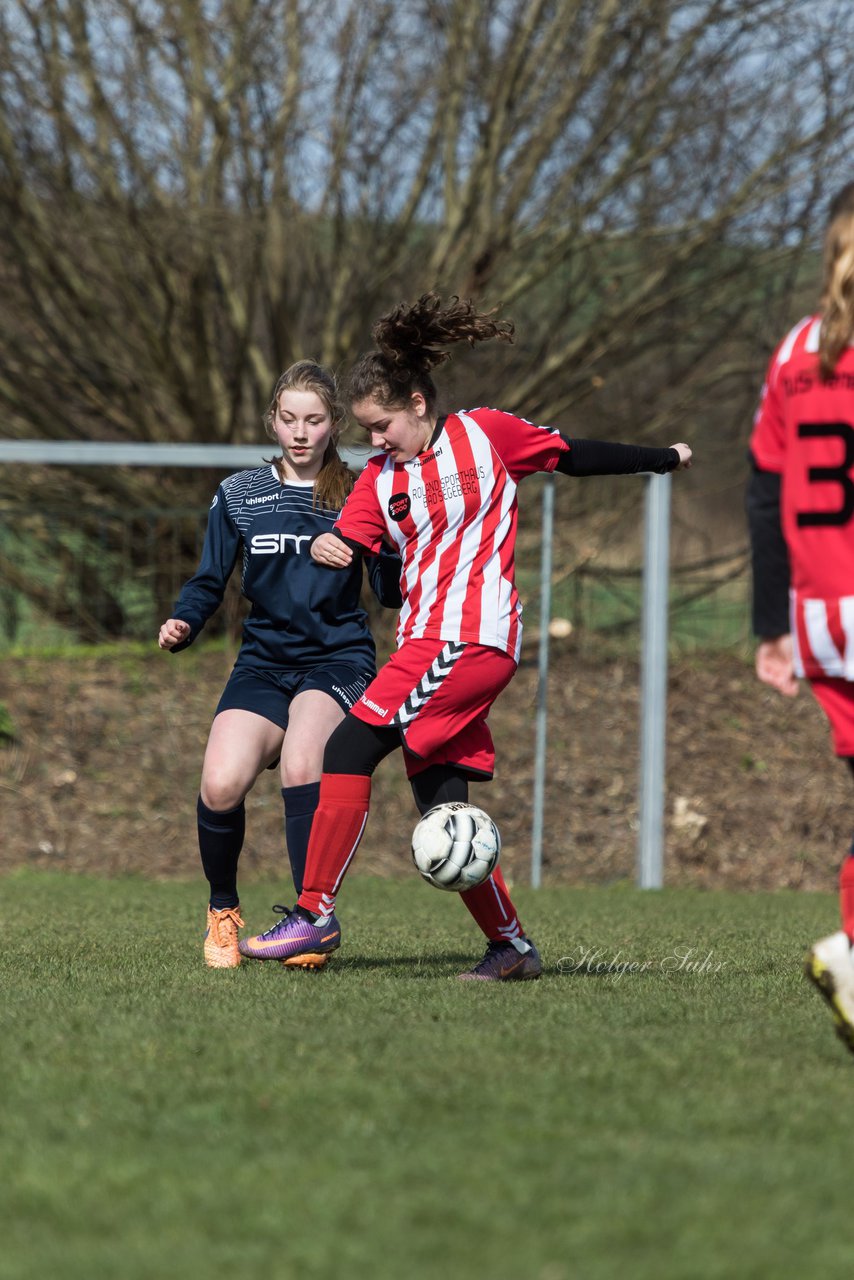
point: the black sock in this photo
(437, 784)
(220, 842)
(300, 804)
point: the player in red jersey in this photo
(443, 491)
(800, 506)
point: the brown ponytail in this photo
(411, 340)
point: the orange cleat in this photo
(308, 960)
(221, 938)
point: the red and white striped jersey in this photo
(452, 514)
(804, 431)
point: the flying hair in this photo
(412, 340)
(837, 303)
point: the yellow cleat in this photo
(221, 938)
(830, 969)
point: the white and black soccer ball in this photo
(456, 846)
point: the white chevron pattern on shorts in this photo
(429, 683)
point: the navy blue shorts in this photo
(269, 693)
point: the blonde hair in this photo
(335, 479)
(837, 302)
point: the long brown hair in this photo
(411, 340)
(334, 480)
(837, 302)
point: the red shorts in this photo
(836, 698)
(438, 694)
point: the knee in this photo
(221, 793)
(358, 747)
(299, 772)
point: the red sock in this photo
(491, 907)
(846, 895)
(336, 830)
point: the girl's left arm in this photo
(602, 458)
(526, 448)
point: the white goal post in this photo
(653, 713)
(86, 453)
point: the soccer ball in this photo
(456, 846)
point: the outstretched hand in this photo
(173, 631)
(684, 452)
(775, 665)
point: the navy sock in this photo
(220, 842)
(300, 804)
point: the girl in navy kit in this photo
(442, 490)
(306, 654)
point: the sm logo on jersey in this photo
(269, 544)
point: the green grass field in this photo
(686, 1119)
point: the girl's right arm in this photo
(775, 664)
(173, 631)
(202, 594)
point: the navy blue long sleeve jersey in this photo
(302, 613)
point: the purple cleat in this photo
(295, 940)
(503, 962)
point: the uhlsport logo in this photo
(398, 507)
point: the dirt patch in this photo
(102, 775)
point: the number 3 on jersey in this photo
(838, 475)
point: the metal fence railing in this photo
(62, 586)
(77, 571)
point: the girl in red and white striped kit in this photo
(800, 505)
(442, 490)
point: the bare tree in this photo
(196, 194)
